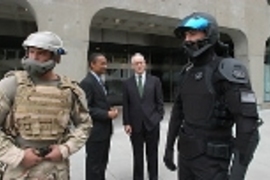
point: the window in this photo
(267, 72)
(2, 54)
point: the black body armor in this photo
(203, 107)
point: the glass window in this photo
(11, 54)
(2, 54)
(120, 58)
(164, 63)
(267, 72)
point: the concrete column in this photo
(240, 47)
(73, 31)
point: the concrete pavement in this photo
(120, 165)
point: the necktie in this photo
(103, 85)
(140, 85)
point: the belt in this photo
(22, 143)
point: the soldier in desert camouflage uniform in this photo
(44, 118)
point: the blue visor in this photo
(198, 23)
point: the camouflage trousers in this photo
(46, 170)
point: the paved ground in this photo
(120, 165)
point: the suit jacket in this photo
(147, 109)
(98, 108)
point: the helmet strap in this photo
(57, 58)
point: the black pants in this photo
(97, 159)
(203, 168)
(151, 140)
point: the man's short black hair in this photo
(93, 57)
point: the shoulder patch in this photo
(239, 73)
(233, 70)
(248, 97)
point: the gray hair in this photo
(136, 55)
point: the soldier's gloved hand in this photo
(238, 173)
(30, 159)
(238, 170)
(169, 159)
(55, 154)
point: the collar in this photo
(95, 75)
(143, 75)
(205, 58)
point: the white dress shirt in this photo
(143, 78)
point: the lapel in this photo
(134, 86)
(97, 84)
(147, 86)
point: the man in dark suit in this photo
(98, 144)
(142, 112)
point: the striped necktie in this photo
(103, 85)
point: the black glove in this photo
(238, 170)
(168, 159)
(242, 160)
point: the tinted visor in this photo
(191, 23)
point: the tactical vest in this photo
(40, 112)
(202, 106)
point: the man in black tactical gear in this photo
(214, 94)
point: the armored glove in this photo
(169, 159)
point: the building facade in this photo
(120, 28)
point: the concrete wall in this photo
(246, 22)
(124, 37)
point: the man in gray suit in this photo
(142, 112)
